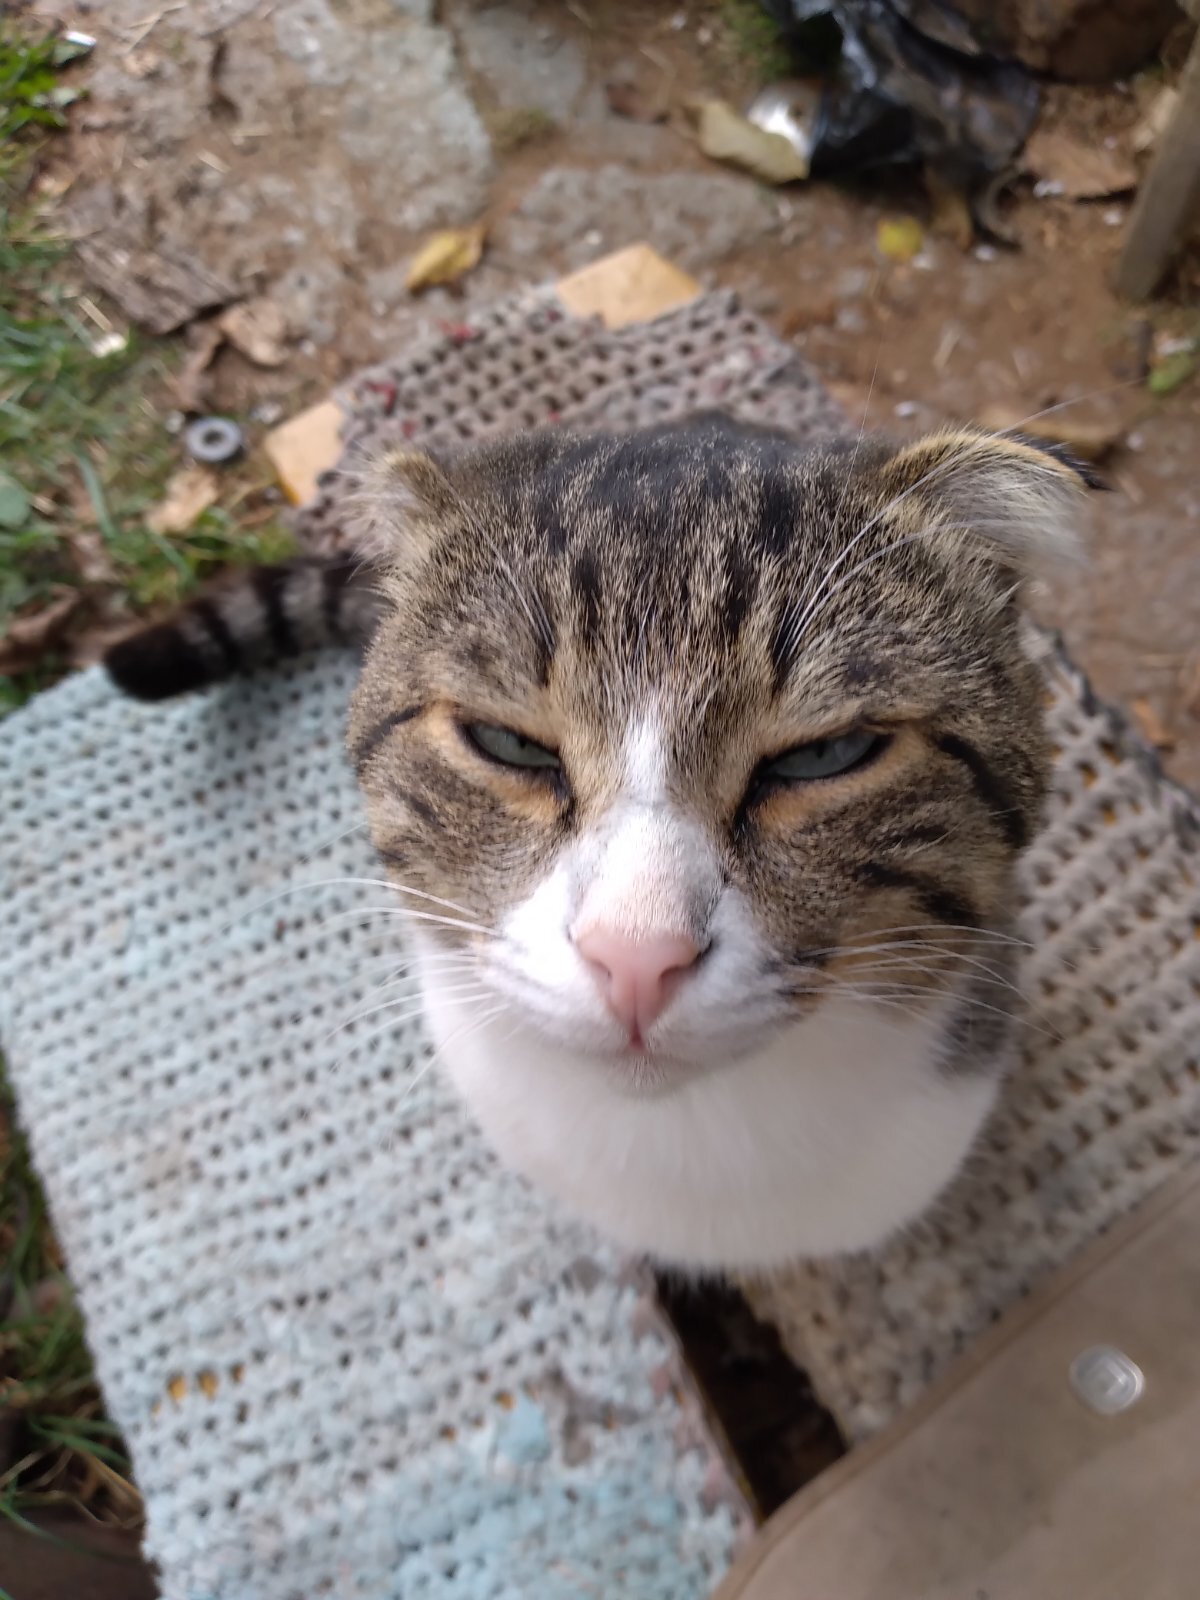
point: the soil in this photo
(260, 143)
(301, 150)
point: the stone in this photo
(526, 65)
(693, 219)
(278, 148)
(407, 97)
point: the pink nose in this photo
(636, 976)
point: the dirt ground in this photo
(303, 149)
(300, 150)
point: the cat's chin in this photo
(834, 1134)
(651, 1070)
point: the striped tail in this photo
(255, 616)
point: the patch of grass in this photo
(84, 448)
(56, 1445)
(31, 95)
(757, 39)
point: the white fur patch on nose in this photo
(645, 764)
(649, 871)
(646, 870)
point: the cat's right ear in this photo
(399, 501)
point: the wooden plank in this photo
(632, 285)
(1169, 199)
(1003, 1482)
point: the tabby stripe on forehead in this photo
(990, 788)
(741, 586)
(366, 747)
(270, 584)
(219, 632)
(544, 641)
(782, 646)
(585, 575)
(940, 903)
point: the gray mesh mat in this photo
(353, 1358)
(350, 1355)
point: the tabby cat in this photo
(707, 760)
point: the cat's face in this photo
(715, 758)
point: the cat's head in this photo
(702, 763)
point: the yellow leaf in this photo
(446, 257)
(899, 238)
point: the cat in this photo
(703, 761)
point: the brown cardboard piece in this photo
(1002, 1484)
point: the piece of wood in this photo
(1169, 198)
(1002, 1482)
(303, 448)
(632, 285)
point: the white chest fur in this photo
(838, 1132)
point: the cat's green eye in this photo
(825, 758)
(510, 749)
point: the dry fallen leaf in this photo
(1092, 435)
(191, 381)
(189, 492)
(810, 314)
(27, 638)
(258, 328)
(1078, 171)
(952, 217)
(446, 257)
(1151, 726)
(93, 562)
(725, 135)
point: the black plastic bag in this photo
(906, 82)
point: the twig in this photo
(148, 24)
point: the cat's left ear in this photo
(400, 501)
(1015, 493)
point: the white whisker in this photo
(405, 914)
(464, 991)
(328, 844)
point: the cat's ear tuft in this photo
(399, 499)
(1013, 495)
